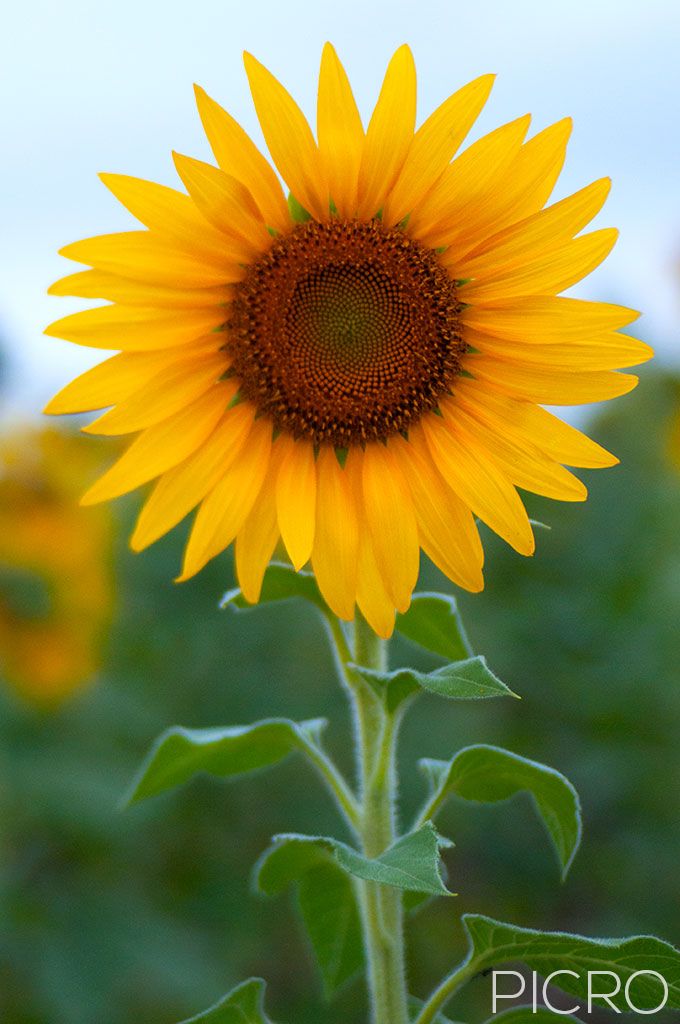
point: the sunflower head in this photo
(356, 370)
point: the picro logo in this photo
(599, 987)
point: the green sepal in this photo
(470, 679)
(341, 455)
(179, 753)
(410, 864)
(297, 210)
(281, 582)
(243, 1005)
(433, 621)
(493, 942)
(488, 774)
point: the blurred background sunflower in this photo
(56, 573)
(143, 916)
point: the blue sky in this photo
(89, 87)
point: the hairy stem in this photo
(381, 906)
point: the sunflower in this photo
(56, 581)
(356, 370)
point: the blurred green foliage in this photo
(147, 916)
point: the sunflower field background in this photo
(146, 915)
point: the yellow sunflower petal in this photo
(610, 351)
(548, 318)
(519, 187)
(296, 498)
(446, 527)
(525, 186)
(136, 329)
(389, 133)
(340, 133)
(478, 481)
(181, 489)
(548, 386)
(238, 156)
(523, 464)
(160, 447)
(107, 383)
(375, 603)
(561, 441)
(537, 167)
(527, 422)
(336, 540)
(168, 213)
(543, 231)
(433, 146)
(174, 387)
(223, 201)
(143, 257)
(546, 275)
(98, 284)
(256, 540)
(467, 188)
(224, 511)
(289, 139)
(391, 519)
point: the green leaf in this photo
(527, 1015)
(243, 1005)
(323, 868)
(297, 210)
(289, 858)
(411, 863)
(433, 621)
(331, 916)
(493, 942)
(327, 901)
(281, 582)
(470, 679)
(488, 774)
(179, 753)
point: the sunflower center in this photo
(345, 332)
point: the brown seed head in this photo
(345, 332)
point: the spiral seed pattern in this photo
(345, 332)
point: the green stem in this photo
(445, 990)
(366, 707)
(429, 810)
(336, 783)
(381, 906)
